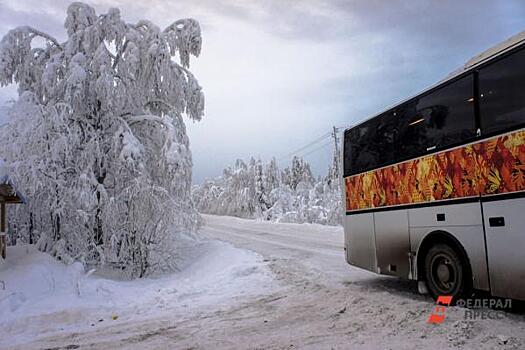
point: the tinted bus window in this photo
(440, 119)
(411, 136)
(370, 145)
(502, 94)
(362, 152)
(386, 139)
(347, 154)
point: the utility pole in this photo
(336, 142)
(335, 160)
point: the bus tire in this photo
(447, 272)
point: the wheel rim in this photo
(444, 273)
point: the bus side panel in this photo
(462, 221)
(360, 241)
(505, 230)
(392, 242)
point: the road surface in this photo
(317, 302)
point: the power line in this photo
(317, 140)
(331, 134)
(316, 149)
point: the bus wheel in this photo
(446, 272)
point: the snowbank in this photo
(41, 296)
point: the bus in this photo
(434, 187)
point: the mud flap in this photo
(422, 287)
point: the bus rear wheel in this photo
(446, 272)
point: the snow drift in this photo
(40, 296)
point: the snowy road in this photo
(317, 247)
(316, 301)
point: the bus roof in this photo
(493, 52)
(486, 55)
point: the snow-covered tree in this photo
(299, 172)
(97, 140)
(273, 179)
(257, 191)
(333, 178)
(261, 198)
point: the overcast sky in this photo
(278, 74)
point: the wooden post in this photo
(3, 233)
(7, 195)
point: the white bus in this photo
(435, 186)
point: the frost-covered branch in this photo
(119, 54)
(146, 117)
(34, 32)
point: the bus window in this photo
(386, 139)
(440, 119)
(502, 94)
(412, 135)
(347, 154)
(370, 145)
(363, 150)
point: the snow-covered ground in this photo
(41, 297)
(282, 286)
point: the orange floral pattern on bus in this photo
(496, 165)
